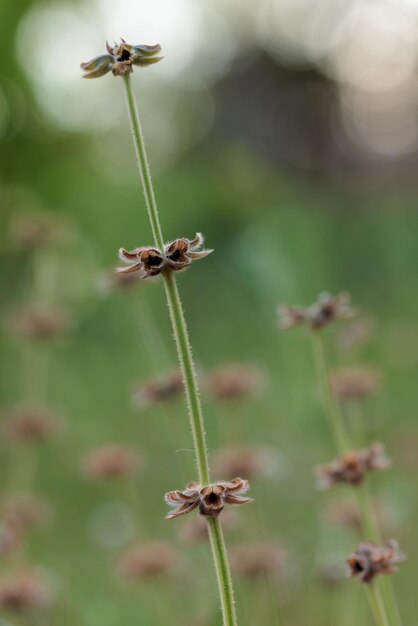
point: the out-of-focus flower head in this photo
(352, 466)
(370, 559)
(163, 388)
(252, 461)
(354, 382)
(30, 230)
(210, 499)
(32, 425)
(110, 462)
(40, 324)
(120, 58)
(258, 560)
(146, 561)
(234, 381)
(23, 512)
(24, 591)
(327, 309)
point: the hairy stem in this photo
(184, 350)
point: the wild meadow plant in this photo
(164, 260)
(371, 558)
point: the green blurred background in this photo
(287, 133)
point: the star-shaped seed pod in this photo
(147, 261)
(352, 466)
(120, 58)
(180, 253)
(177, 255)
(327, 309)
(370, 559)
(209, 498)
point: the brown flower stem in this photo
(383, 597)
(220, 558)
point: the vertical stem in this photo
(142, 161)
(338, 427)
(220, 558)
(377, 606)
(381, 596)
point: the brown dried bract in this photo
(31, 424)
(161, 389)
(370, 559)
(24, 591)
(110, 462)
(235, 380)
(327, 309)
(258, 560)
(354, 382)
(146, 561)
(176, 256)
(352, 466)
(209, 498)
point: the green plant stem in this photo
(382, 598)
(219, 553)
(377, 606)
(338, 428)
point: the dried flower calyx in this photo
(177, 255)
(354, 382)
(370, 559)
(120, 58)
(352, 466)
(160, 389)
(327, 309)
(209, 498)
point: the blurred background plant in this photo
(286, 131)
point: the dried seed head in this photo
(209, 498)
(354, 382)
(180, 253)
(24, 591)
(176, 256)
(31, 424)
(254, 462)
(352, 466)
(370, 559)
(120, 58)
(327, 309)
(258, 560)
(110, 462)
(39, 324)
(146, 561)
(235, 381)
(161, 389)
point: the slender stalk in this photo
(219, 553)
(337, 423)
(382, 598)
(376, 604)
